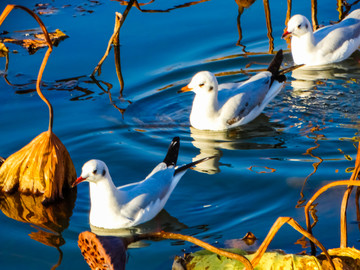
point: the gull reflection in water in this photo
(306, 78)
(210, 143)
(162, 222)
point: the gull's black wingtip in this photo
(274, 66)
(192, 164)
(275, 63)
(173, 152)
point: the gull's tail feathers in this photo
(192, 164)
(274, 67)
(173, 152)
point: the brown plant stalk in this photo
(5, 13)
(275, 228)
(44, 165)
(176, 236)
(344, 203)
(322, 190)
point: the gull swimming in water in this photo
(330, 44)
(225, 106)
(135, 203)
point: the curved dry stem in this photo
(114, 39)
(275, 228)
(322, 190)
(38, 81)
(314, 15)
(345, 200)
(4, 14)
(169, 235)
(268, 26)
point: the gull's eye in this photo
(201, 84)
(211, 88)
(299, 26)
(95, 171)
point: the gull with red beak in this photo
(135, 203)
(330, 44)
(226, 106)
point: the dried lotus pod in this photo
(102, 252)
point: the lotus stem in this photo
(5, 13)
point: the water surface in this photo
(311, 124)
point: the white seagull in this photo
(330, 44)
(136, 203)
(225, 106)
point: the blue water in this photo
(160, 52)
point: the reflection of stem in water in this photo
(314, 15)
(268, 25)
(288, 16)
(60, 259)
(121, 110)
(315, 166)
(50, 239)
(241, 10)
(118, 68)
(344, 8)
(288, 12)
(311, 207)
(137, 5)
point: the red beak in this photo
(78, 181)
(185, 89)
(286, 33)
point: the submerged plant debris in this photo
(38, 41)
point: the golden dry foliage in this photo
(44, 165)
(345, 259)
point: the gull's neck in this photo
(205, 105)
(105, 196)
(303, 46)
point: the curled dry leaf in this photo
(343, 258)
(43, 167)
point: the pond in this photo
(305, 138)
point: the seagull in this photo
(225, 106)
(330, 44)
(136, 203)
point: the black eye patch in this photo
(201, 84)
(103, 172)
(299, 26)
(211, 88)
(95, 171)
